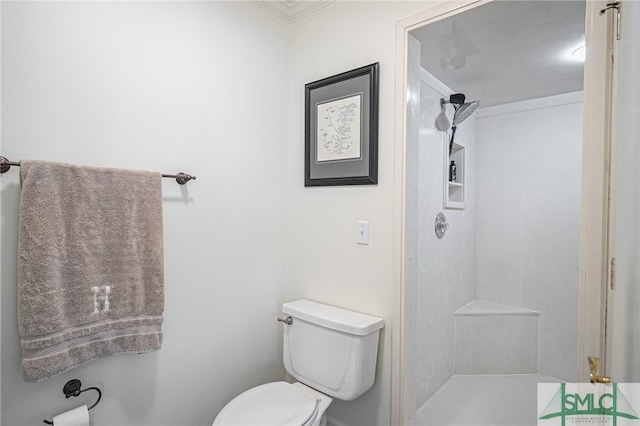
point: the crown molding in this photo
(291, 11)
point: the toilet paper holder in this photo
(72, 388)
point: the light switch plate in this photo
(362, 236)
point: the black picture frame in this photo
(341, 129)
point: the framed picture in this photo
(341, 129)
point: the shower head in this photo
(464, 111)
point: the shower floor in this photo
(491, 400)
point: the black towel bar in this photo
(180, 177)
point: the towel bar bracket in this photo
(181, 178)
(5, 164)
(72, 388)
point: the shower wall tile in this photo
(445, 267)
(528, 216)
(411, 215)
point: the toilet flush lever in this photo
(287, 320)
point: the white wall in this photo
(197, 87)
(528, 214)
(325, 264)
(446, 267)
(202, 87)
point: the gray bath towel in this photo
(90, 268)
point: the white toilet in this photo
(331, 351)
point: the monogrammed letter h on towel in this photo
(90, 268)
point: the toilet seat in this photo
(277, 403)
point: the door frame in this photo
(594, 209)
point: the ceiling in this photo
(507, 51)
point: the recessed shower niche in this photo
(454, 175)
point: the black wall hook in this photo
(72, 388)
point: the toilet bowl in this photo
(331, 351)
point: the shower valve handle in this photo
(444, 226)
(441, 225)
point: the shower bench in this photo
(492, 338)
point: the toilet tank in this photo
(330, 349)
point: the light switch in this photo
(363, 232)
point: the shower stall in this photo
(496, 274)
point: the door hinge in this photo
(616, 6)
(612, 277)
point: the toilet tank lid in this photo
(332, 317)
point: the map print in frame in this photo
(338, 136)
(341, 128)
